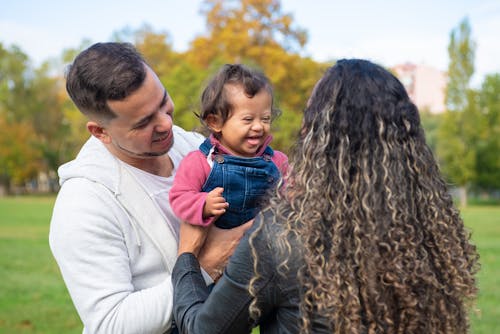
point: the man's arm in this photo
(212, 246)
(89, 241)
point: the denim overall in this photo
(246, 182)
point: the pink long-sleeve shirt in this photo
(187, 199)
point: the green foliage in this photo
(468, 142)
(488, 146)
(285, 127)
(458, 134)
(14, 82)
(461, 67)
(34, 103)
(185, 85)
(157, 50)
(248, 27)
(457, 138)
(47, 116)
(431, 124)
(258, 33)
(19, 157)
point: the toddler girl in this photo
(227, 179)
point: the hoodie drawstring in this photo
(133, 223)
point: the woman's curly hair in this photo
(384, 248)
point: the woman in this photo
(364, 240)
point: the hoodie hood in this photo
(95, 163)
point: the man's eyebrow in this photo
(164, 99)
(147, 118)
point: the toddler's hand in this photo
(215, 204)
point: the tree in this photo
(488, 156)
(15, 75)
(35, 133)
(259, 34)
(431, 124)
(183, 80)
(19, 159)
(156, 47)
(461, 51)
(46, 114)
(456, 138)
(237, 29)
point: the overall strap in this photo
(268, 153)
(206, 146)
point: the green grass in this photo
(33, 298)
(485, 225)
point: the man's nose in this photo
(164, 122)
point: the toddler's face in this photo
(249, 123)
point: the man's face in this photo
(143, 126)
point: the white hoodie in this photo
(112, 243)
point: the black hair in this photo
(102, 72)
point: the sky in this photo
(388, 32)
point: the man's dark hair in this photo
(104, 71)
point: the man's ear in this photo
(214, 122)
(99, 132)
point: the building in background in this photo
(425, 85)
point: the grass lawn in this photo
(33, 298)
(485, 225)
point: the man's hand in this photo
(215, 204)
(219, 246)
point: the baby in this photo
(226, 181)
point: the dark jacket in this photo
(225, 309)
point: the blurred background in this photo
(446, 53)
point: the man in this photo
(113, 233)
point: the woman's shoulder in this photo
(268, 226)
(276, 242)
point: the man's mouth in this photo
(161, 138)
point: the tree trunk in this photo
(462, 196)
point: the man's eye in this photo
(140, 126)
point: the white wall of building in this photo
(425, 85)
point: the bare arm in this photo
(212, 246)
